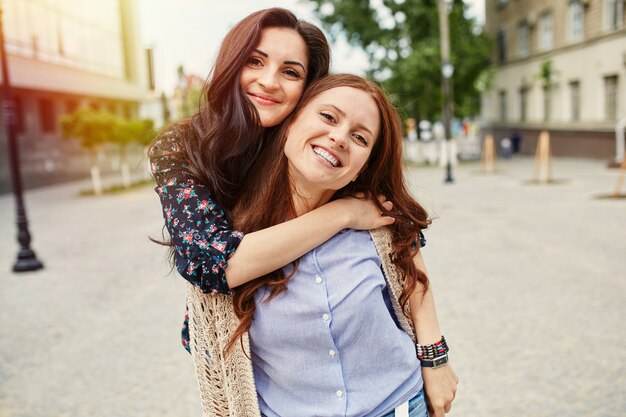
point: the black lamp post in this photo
(26, 258)
(447, 69)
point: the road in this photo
(530, 283)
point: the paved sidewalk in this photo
(530, 283)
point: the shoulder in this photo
(167, 142)
(355, 237)
(348, 244)
(352, 244)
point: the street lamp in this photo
(26, 258)
(447, 69)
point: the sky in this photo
(189, 32)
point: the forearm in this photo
(423, 311)
(267, 250)
(425, 320)
(440, 383)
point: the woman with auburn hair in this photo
(350, 328)
(264, 64)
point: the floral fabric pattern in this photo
(199, 230)
(202, 237)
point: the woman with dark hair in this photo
(264, 64)
(350, 328)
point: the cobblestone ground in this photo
(530, 283)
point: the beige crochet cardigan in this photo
(227, 382)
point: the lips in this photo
(264, 99)
(331, 158)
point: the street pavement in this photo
(530, 283)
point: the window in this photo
(501, 46)
(610, 97)
(523, 103)
(503, 109)
(614, 14)
(46, 116)
(574, 95)
(546, 34)
(522, 40)
(576, 18)
(69, 32)
(547, 102)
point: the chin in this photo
(269, 121)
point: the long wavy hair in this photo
(219, 143)
(266, 197)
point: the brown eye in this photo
(329, 117)
(292, 73)
(254, 62)
(361, 139)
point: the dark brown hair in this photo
(266, 197)
(221, 141)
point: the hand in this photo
(440, 388)
(363, 214)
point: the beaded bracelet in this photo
(434, 351)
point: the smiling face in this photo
(330, 141)
(274, 76)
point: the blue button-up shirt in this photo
(330, 344)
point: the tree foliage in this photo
(401, 38)
(91, 128)
(95, 128)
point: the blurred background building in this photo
(65, 54)
(561, 66)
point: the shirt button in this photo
(339, 393)
(325, 317)
(318, 279)
(332, 353)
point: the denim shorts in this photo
(417, 406)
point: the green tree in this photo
(401, 38)
(126, 132)
(142, 131)
(92, 129)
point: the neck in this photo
(306, 199)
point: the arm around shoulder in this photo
(269, 249)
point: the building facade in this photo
(65, 54)
(560, 66)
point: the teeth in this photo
(331, 159)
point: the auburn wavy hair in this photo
(222, 139)
(266, 197)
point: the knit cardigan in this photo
(226, 382)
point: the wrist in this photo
(433, 355)
(339, 212)
(435, 363)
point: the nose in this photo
(339, 137)
(268, 78)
